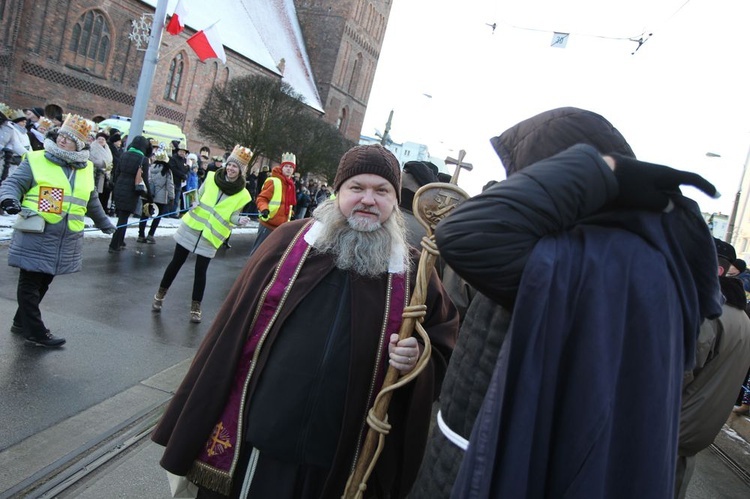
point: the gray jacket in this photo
(57, 250)
(160, 186)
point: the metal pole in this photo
(730, 228)
(143, 95)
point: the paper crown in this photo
(241, 155)
(5, 110)
(289, 157)
(44, 124)
(161, 155)
(77, 127)
(16, 114)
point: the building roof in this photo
(262, 31)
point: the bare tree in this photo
(254, 111)
(269, 117)
(318, 146)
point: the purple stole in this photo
(217, 461)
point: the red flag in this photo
(177, 21)
(207, 44)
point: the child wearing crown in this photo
(277, 198)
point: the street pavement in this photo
(75, 421)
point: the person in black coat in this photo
(608, 271)
(541, 208)
(179, 168)
(133, 165)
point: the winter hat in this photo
(76, 128)
(372, 158)
(115, 137)
(423, 172)
(38, 111)
(241, 156)
(740, 264)
(102, 134)
(725, 250)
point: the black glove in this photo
(264, 213)
(11, 205)
(645, 186)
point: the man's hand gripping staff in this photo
(432, 203)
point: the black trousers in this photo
(118, 238)
(178, 259)
(154, 222)
(32, 286)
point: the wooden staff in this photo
(432, 203)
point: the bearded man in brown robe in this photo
(276, 400)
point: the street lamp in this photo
(730, 228)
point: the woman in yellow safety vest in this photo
(52, 190)
(207, 225)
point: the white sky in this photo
(684, 93)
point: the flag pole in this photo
(143, 95)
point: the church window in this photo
(174, 78)
(91, 41)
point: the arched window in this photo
(341, 121)
(91, 41)
(354, 78)
(174, 78)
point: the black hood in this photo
(554, 131)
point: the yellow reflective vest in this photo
(211, 217)
(52, 195)
(275, 202)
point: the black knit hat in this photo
(725, 250)
(740, 264)
(372, 158)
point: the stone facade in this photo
(344, 39)
(77, 54)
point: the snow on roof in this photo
(263, 31)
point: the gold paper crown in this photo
(76, 126)
(161, 155)
(289, 157)
(5, 110)
(16, 114)
(44, 124)
(241, 155)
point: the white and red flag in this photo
(177, 21)
(207, 44)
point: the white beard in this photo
(360, 244)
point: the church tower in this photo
(344, 38)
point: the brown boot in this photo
(159, 299)
(195, 312)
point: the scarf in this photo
(228, 187)
(75, 159)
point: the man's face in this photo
(287, 170)
(733, 271)
(31, 116)
(367, 201)
(181, 153)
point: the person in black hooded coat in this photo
(125, 195)
(492, 241)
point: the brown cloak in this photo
(190, 418)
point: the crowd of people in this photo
(548, 380)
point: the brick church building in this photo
(79, 55)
